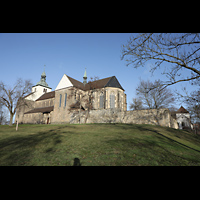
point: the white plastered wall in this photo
(38, 91)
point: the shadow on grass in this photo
(178, 133)
(150, 153)
(168, 138)
(155, 150)
(19, 150)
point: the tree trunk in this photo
(79, 114)
(87, 115)
(11, 119)
(16, 125)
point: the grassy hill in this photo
(98, 144)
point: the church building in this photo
(46, 106)
(183, 118)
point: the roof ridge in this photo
(110, 79)
(101, 83)
(72, 78)
(101, 79)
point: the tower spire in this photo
(85, 77)
(43, 79)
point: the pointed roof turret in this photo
(43, 74)
(42, 81)
(85, 74)
(85, 78)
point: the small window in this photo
(60, 100)
(65, 99)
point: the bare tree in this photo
(84, 99)
(180, 50)
(13, 98)
(79, 103)
(193, 105)
(136, 104)
(2, 114)
(158, 97)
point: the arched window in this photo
(101, 103)
(60, 100)
(75, 94)
(112, 100)
(65, 99)
(165, 114)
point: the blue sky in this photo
(23, 55)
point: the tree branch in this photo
(158, 47)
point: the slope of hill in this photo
(98, 144)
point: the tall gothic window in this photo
(65, 99)
(101, 101)
(119, 99)
(60, 100)
(112, 100)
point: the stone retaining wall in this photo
(153, 116)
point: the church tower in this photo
(40, 88)
(42, 81)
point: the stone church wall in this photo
(44, 103)
(61, 111)
(20, 116)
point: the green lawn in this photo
(97, 144)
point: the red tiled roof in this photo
(182, 110)
(76, 83)
(47, 96)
